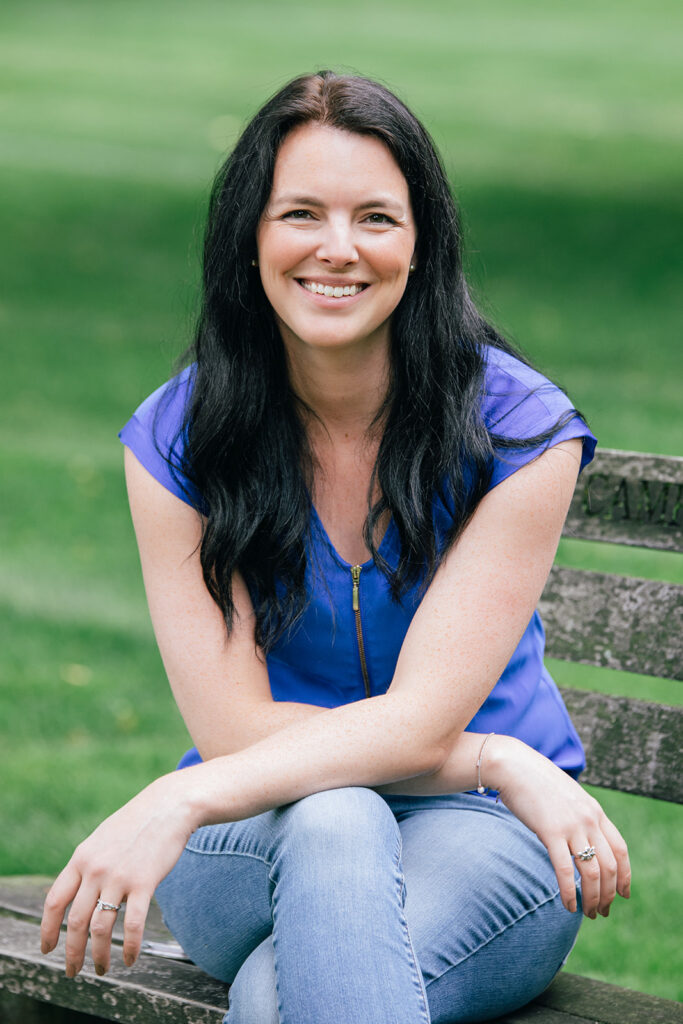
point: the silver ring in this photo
(103, 905)
(586, 854)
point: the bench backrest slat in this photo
(631, 745)
(617, 622)
(629, 498)
(623, 623)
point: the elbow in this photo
(428, 758)
(438, 755)
(425, 743)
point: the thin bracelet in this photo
(482, 789)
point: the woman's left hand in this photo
(123, 860)
(566, 819)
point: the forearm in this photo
(457, 774)
(252, 722)
(368, 743)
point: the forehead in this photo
(318, 157)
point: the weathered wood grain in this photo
(631, 745)
(629, 498)
(22, 1010)
(616, 622)
(152, 990)
(608, 1004)
(536, 1014)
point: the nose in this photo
(337, 246)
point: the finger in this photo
(589, 871)
(134, 925)
(563, 865)
(77, 925)
(101, 927)
(620, 852)
(608, 875)
(57, 900)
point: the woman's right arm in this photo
(220, 683)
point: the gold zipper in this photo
(355, 603)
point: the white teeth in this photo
(331, 291)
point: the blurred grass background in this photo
(561, 130)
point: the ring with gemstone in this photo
(103, 905)
(586, 854)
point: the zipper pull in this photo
(355, 575)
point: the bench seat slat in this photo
(629, 498)
(176, 993)
(631, 745)
(602, 1003)
(616, 622)
(153, 990)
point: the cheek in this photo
(279, 250)
(392, 260)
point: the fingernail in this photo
(592, 915)
(605, 913)
(99, 970)
(572, 906)
(128, 959)
(70, 971)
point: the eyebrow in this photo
(385, 202)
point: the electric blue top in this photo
(318, 662)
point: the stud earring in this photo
(411, 268)
(254, 263)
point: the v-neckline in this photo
(342, 561)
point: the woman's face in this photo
(336, 239)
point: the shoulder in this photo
(517, 395)
(154, 434)
(166, 406)
(518, 402)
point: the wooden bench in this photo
(594, 618)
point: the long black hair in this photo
(245, 444)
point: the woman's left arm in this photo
(460, 640)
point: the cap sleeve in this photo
(153, 434)
(519, 402)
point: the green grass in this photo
(560, 129)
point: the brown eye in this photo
(380, 218)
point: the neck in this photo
(344, 388)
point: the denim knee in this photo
(340, 818)
(341, 834)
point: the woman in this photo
(346, 509)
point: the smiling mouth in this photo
(331, 291)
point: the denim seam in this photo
(418, 977)
(492, 937)
(227, 853)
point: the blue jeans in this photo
(347, 907)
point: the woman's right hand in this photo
(123, 860)
(565, 818)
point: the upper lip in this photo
(335, 282)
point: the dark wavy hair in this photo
(245, 443)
